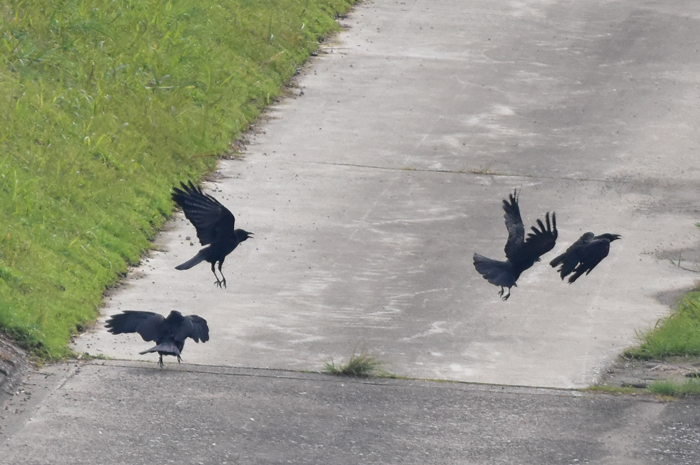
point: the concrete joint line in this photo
(475, 173)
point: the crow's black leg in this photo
(218, 282)
(222, 274)
(160, 361)
(179, 359)
(504, 297)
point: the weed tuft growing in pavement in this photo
(360, 365)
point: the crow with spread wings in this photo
(168, 333)
(215, 227)
(521, 252)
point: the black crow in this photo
(168, 333)
(521, 252)
(583, 255)
(215, 227)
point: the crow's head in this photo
(610, 237)
(175, 317)
(242, 235)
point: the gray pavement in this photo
(369, 192)
(133, 413)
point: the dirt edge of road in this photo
(641, 373)
(14, 364)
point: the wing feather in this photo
(211, 219)
(148, 324)
(514, 224)
(539, 241)
(193, 326)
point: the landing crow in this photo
(521, 252)
(583, 255)
(168, 333)
(214, 224)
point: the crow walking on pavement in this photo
(168, 333)
(583, 255)
(215, 227)
(521, 252)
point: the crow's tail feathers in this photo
(201, 256)
(169, 348)
(494, 271)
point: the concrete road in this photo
(368, 193)
(133, 413)
(371, 189)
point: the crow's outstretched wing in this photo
(592, 254)
(192, 326)
(148, 324)
(538, 242)
(211, 219)
(569, 259)
(514, 224)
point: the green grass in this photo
(105, 106)
(359, 365)
(676, 335)
(615, 390)
(690, 388)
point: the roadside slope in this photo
(107, 106)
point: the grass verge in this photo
(672, 340)
(615, 390)
(676, 335)
(690, 388)
(106, 106)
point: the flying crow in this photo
(521, 252)
(168, 333)
(583, 255)
(214, 224)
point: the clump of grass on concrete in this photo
(614, 390)
(676, 335)
(360, 365)
(690, 388)
(106, 106)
